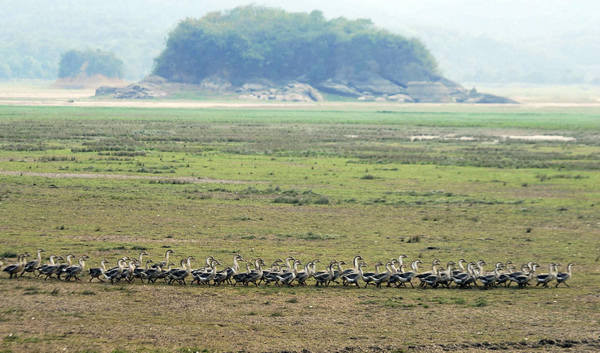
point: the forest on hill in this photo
(90, 62)
(258, 42)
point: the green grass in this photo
(323, 182)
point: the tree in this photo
(259, 42)
(90, 62)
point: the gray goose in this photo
(523, 280)
(73, 271)
(288, 277)
(180, 275)
(270, 275)
(546, 278)
(465, 279)
(33, 265)
(380, 278)
(367, 277)
(422, 276)
(61, 267)
(256, 275)
(242, 276)
(50, 268)
(165, 263)
(562, 277)
(13, 269)
(206, 277)
(323, 278)
(354, 278)
(400, 277)
(302, 276)
(114, 274)
(97, 272)
(354, 270)
(489, 280)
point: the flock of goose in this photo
(281, 272)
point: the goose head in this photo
(401, 258)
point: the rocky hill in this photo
(262, 53)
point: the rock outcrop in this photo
(380, 89)
(372, 88)
(291, 92)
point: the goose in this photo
(401, 260)
(460, 269)
(208, 264)
(33, 265)
(73, 271)
(288, 277)
(562, 277)
(445, 277)
(225, 274)
(241, 277)
(124, 258)
(165, 263)
(546, 278)
(114, 274)
(127, 273)
(480, 264)
(98, 271)
(367, 277)
(138, 270)
(338, 273)
(61, 268)
(142, 273)
(206, 277)
(179, 275)
(256, 275)
(382, 277)
(51, 262)
(503, 278)
(14, 269)
(355, 263)
(230, 271)
(271, 274)
(202, 270)
(465, 279)
(431, 280)
(164, 274)
(302, 276)
(154, 272)
(323, 278)
(490, 279)
(421, 276)
(401, 277)
(525, 270)
(523, 280)
(289, 265)
(353, 278)
(50, 268)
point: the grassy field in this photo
(325, 182)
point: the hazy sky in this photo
(503, 19)
(489, 40)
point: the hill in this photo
(271, 54)
(258, 42)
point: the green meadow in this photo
(516, 183)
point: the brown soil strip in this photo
(191, 180)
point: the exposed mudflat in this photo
(191, 180)
(539, 138)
